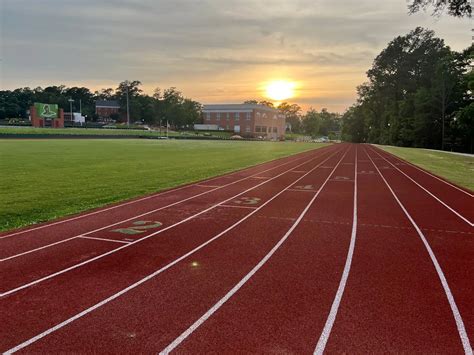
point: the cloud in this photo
(226, 47)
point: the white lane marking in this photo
(324, 337)
(159, 271)
(104, 239)
(36, 249)
(141, 215)
(149, 235)
(201, 185)
(428, 173)
(236, 206)
(158, 195)
(244, 280)
(454, 308)
(432, 195)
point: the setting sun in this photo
(280, 90)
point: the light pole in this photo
(70, 110)
(128, 108)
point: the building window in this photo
(247, 129)
(275, 117)
(275, 130)
(236, 116)
(247, 116)
(227, 116)
(269, 129)
(264, 115)
(258, 114)
(218, 116)
(208, 116)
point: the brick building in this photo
(248, 120)
(105, 108)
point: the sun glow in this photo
(280, 90)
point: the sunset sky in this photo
(214, 51)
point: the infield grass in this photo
(453, 167)
(45, 179)
(6, 131)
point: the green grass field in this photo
(456, 168)
(104, 132)
(45, 179)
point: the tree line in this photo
(419, 94)
(312, 123)
(164, 105)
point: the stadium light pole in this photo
(128, 108)
(70, 110)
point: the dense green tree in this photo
(416, 86)
(171, 104)
(292, 113)
(311, 123)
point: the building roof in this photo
(237, 107)
(107, 103)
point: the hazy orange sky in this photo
(214, 51)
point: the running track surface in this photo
(341, 249)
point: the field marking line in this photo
(452, 303)
(427, 172)
(158, 194)
(36, 249)
(175, 343)
(138, 216)
(426, 190)
(149, 235)
(231, 206)
(157, 272)
(104, 239)
(325, 334)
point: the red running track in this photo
(341, 249)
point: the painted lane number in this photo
(304, 187)
(138, 227)
(248, 201)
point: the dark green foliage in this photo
(456, 8)
(172, 106)
(417, 86)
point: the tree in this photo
(456, 8)
(105, 94)
(292, 113)
(134, 91)
(416, 85)
(311, 123)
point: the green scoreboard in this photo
(47, 110)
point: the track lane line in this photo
(143, 214)
(162, 193)
(85, 262)
(162, 269)
(324, 337)
(427, 172)
(427, 191)
(37, 249)
(104, 239)
(452, 303)
(175, 343)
